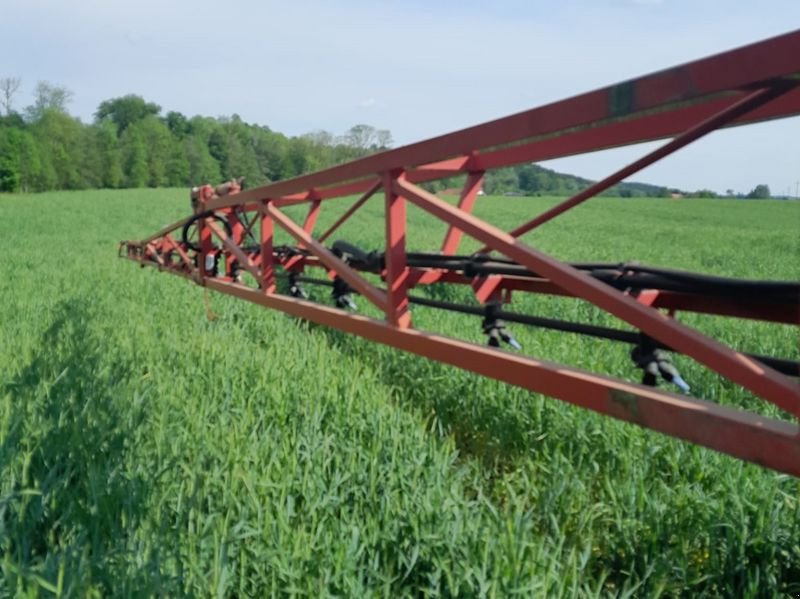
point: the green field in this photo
(145, 450)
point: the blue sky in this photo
(419, 69)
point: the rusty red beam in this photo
(613, 134)
(179, 250)
(326, 193)
(616, 133)
(736, 87)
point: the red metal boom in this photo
(684, 103)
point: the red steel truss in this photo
(743, 86)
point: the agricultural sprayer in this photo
(227, 245)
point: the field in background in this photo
(147, 450)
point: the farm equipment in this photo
(227, 245)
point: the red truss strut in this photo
(743, 86)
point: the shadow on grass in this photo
(70, 508)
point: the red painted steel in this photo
(396, 271)
(748, 436)
(468, 196)
(757, 82)
(266, 232)
(735, 366)
(311, 217)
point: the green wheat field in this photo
(146, 450)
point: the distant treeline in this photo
(535, 180)
(131, 143)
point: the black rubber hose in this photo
(625, 276)
(188, 243)
(781, 365)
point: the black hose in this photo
(192, 222)
(781, 365)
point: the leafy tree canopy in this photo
(126, 110)
(759, 192)
(48, 97)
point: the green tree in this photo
(59, 138)
(705, 193)
(126, 110)
(20, 159)
(361, 136)
(134, 158)
(759, 192)
(110, 163)
(502, 180)
(31, 175)
(202, 166)
(178, 124)
(48, 98)
(177, 171)
(158, 141)
(9, 175)
(528, 179)
(271, 151)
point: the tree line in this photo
(131, 143)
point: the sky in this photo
(419, 69)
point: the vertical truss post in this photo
(266, 232)
(396, 270)
(465, 203)
(204, 240)
(237, 231)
